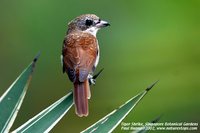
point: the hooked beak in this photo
(102, 24)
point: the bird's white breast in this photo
(92, 30)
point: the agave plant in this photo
(11, 100)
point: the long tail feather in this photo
(81, 98)
(88, 90)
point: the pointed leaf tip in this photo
(156, 119)
(36, 57)
(11, 100)
(151, 86)
(35, 60)
(96, 75)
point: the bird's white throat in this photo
(92, 30)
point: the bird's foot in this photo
(91, 79)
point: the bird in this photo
(80, 57)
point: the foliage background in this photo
(148, 40)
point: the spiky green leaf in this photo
(48, 118)
(12, 99)
(108, 123)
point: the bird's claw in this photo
(92, 81)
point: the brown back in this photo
(79, 55)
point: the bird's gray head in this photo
(87, 23)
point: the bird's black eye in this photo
(88, 22)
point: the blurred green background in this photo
(147, 41)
